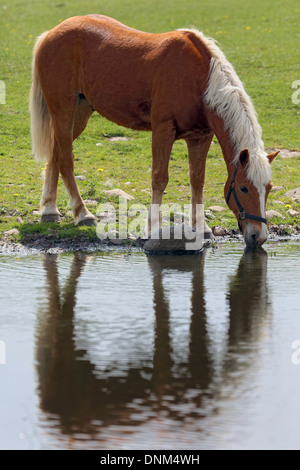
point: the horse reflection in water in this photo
(72, 393)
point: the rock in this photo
(294, 194)
(80, 178)
(118, 139)
(217, 208)
(293, 213)
(279, 202)
(271, 213)
(274, 229)
(132, 237)
(13, 231)
(209, 215)
(106, 215)
(109, 219)
(119, 193)
(284, 153)
(19, 220)
(12, 212)
(116, 241)
(177, 239)
(109, 183)
(91, 202)
(277, 188)
(36, 212)
(128, 183)
(218, 231)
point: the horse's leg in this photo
(64, 133)
(162, 141)
(49, 209)
(82, 116)
(197, 153)
(48, 202)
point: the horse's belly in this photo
(133, 114)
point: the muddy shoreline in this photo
(37, 244)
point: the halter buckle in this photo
(242, 215)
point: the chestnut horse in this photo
(178, 84)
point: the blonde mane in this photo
(225, 94)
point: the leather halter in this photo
(242, 213)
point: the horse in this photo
(178, 85)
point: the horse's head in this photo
(246, 192)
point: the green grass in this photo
(261, 39)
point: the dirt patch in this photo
(285, 153)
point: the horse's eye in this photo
(244, 189)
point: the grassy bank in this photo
(261, 39)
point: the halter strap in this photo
(242, 213)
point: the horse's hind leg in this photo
(66, 128)
(197, 153)
(48, 202)
(82, 116)
(49, 209)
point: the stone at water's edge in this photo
(219, 231)
(181, 239)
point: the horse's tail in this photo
(41, 126)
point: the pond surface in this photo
(124, 351)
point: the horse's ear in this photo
(244, 157)
(273, 155)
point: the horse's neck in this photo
(223, 136)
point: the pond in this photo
(118, 350)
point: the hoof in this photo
(89, 221)
(51, 218)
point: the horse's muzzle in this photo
(254, 237)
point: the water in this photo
(121, 351)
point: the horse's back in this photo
(129, 76)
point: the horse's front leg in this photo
(197, 153)
(162, 141)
